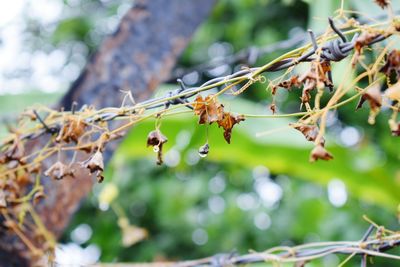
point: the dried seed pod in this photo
(319, 152)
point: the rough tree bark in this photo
(137, 57)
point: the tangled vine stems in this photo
(374, 243)
(88, 129)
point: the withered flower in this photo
(156, 139)
(319, 152)
(59, 171)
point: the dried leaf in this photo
(59, 171)
(227, 122)
(95, 163)
(393, 92)
(363, 40)
(310, 132)
(288, 84)
(392, 64)
(208, 109)
(382, 3)
(15, 152)
(156, 139)
(316, 77)
(319, 152)
(373, 96)
(72, 129)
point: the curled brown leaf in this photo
(227, 122)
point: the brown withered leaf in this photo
(392, 64)
(227, 122)
(319, 152)
(382, 3)
(316, 77)
(373, 96)
(310, 132)
(156, 139)
(208, 109)
(59, 171)
(287, 84)
(363, 40)
(72, 129)
(15, 152)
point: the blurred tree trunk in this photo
(137, 57)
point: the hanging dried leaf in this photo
(287, 84)
(319, 152)
(316, 77)
(363, 40)
(208, 109)
(95, 163)
(156, 139)
(392, 64)
(15, 152)
(373, 96)
(227, 122)
(59, 171)
(310, 132)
